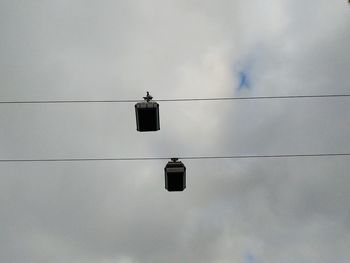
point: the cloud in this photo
(290, 210)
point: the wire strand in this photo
(181, 158)
(178, 100)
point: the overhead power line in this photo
(179, 157)
(178, 100)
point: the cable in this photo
(177, 100)
(262, 97)
(181, 158)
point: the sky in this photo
(245, 211)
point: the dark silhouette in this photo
(175, 175)
(147, 115)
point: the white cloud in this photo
(291, 210)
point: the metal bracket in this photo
(148, 97)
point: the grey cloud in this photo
(290, 210)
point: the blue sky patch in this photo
(249, 257)
(244, 81)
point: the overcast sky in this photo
(246, 211)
